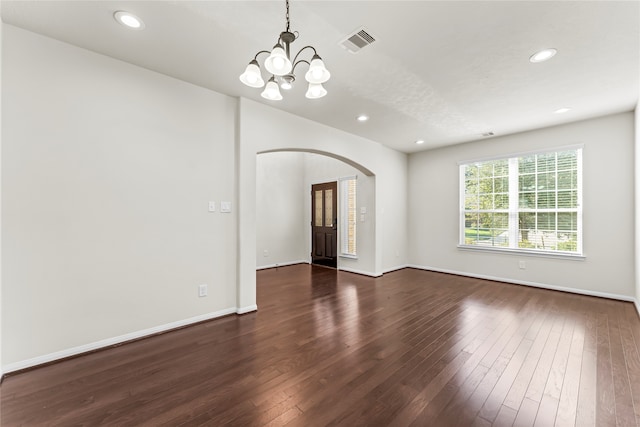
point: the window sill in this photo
(348, 256)
(524, 252)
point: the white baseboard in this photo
(247, 309)
(350, 270)
(51, 357)
(533, 284)
(637, 304)
(364, 273)
(347, 269)
(281, 264)
(399, 267)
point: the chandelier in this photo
(282, 69)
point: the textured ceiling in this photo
(444, 72)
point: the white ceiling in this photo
(442, 71)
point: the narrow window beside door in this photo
(348, 216)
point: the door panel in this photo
(329, 246)
(324, 224)
(320, 244)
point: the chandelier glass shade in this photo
(277, 63)
(251, 76)
(315, 91)
(271, 91)
(317, 71)
(282, 69)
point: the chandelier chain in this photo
(287, 1)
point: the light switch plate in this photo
(202, 290)
(212, 206)
(363, 209)
(225, 207)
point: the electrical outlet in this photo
(522, 265)
(265, 253)
(202, 290)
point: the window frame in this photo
(514, 209)
(343, 225)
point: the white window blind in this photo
(348, 216)
(530, 202)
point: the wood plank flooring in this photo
(328, 348)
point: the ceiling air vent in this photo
(357, 40)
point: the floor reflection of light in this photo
(323, 316)
(351, 310)
(337, 315)
(479, 309)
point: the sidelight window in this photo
(348, 215)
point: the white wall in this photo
(608, 224)
(319, 169)
(637, 205)
(280, 209)
(107, 169)
(1, 132)
(283, 208)
(393, 211)
(263, 129)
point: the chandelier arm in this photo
(295, 64)
(262, 51)
(300, 51)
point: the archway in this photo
(346, 160)
(261, 129)
(283, 208)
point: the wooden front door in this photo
(324, 224)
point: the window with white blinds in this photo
(530, 202)
(348, 216)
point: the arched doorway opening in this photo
(285, 215)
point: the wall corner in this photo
(636, 167)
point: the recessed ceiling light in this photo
(543, 55)
(562, 110)
(362, 118)
(420, 141)
(129, 20)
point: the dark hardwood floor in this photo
(327, 348)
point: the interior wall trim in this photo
(247, 309)
(281, 264)
(111, 342)
(532, 284)
(399, 267)
(347, 269)
(363, 273)
(636, 302)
